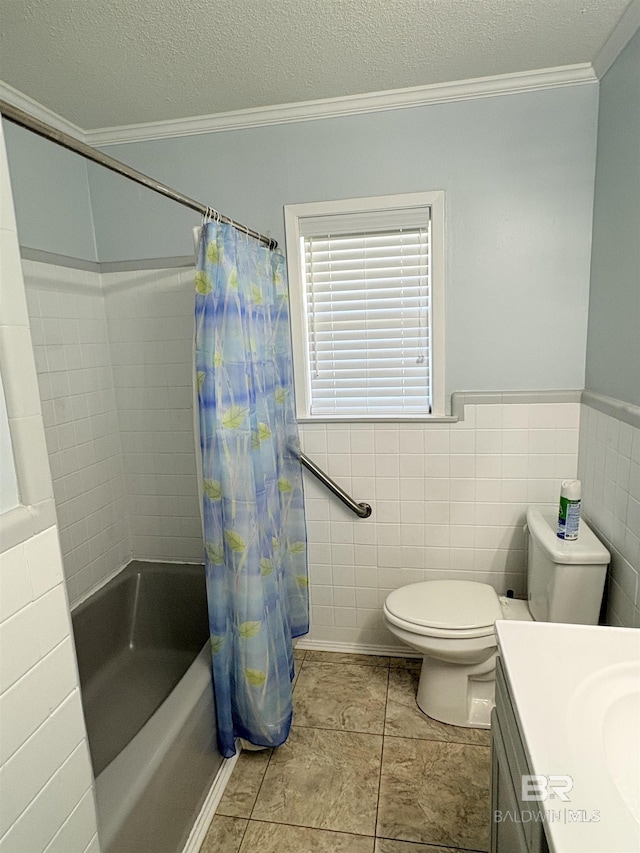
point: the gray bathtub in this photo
(145, 673)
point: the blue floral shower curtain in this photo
(255, 535)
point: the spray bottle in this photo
(569, 511)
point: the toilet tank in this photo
(565, 579)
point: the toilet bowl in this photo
(452, 623)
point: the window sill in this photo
(375, 419)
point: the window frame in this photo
(293, 215)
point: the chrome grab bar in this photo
(363, 510)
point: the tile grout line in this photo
(243, 835)
(301, 662)
(341, 731)
(261, 784)
(312, 828)
(254, 802)
(384, 724)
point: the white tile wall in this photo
(150, 315)
(114, 360)
(448, 500)
(609, 467)
(73, 361)
(45, 778)
(45, 771)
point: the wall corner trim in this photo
(618, 40)
(627, 412)
(24, 522)
(460, 399)
(37, 110)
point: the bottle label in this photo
(568, 518)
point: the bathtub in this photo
(145, 673)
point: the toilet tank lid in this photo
(445, 604)
(587, 549)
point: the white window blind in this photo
(368, 313)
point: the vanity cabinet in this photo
(516, 825)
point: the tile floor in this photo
(363, 771)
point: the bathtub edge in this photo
(140, 759)
(211, 803)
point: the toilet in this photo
(452, 623)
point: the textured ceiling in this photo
(101, 63)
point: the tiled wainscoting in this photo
(609, 467)
(73, 361)
(449, 501)
(114, 354)
(46, 799)
(150, 321)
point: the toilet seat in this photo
(447, 609)
(445, 634)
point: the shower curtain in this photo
(253, 510)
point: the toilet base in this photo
(458, 695)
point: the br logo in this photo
(540, 788)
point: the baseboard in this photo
(211, 803)
(355, 648)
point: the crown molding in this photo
(37, 110)
(618, 40)
(416, 96)
(395, 99)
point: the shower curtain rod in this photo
(24, 119)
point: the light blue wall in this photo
(613, 343)
(51, 195)
(518, 174)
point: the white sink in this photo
(576, 690)
(622, 763)
(607, 705)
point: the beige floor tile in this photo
(224, 835)
(434, 792)
(242, 788)
(279, 838)
(385, 845)
(405, 663)
(323, 779)
(347, 657)
(405, 719)
(299, 654)
(348, 697)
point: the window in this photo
(366, 282)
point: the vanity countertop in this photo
(576, 692)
